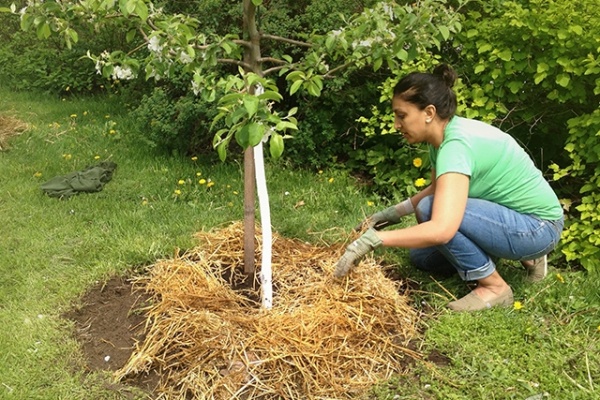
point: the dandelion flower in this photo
(107, 116)
(320, 171)
(181, 182)
(518, 305)
(194, 158)
(598, 328)
(67, 88)
(330, 180)
(67, 156)
(96, 157)
(209, 184)
(202, 181)
(177, 192)
(417, 162)
(112, 132)
(235, 192)
(370, 203)
(37, 174)
(73, 115)
(560, 278)
(420, 182)
(85, 113)
(198, 173)
(145, 202)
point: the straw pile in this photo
(9, 126)
(324, 338)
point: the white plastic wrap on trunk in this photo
(266, 275)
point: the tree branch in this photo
(272, 60)
(285, 40)
(234, 62)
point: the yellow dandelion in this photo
(417, 162)
(320, 171)
(85, 113)
(370, 203)
(209, 184)
(202, 181)
(145, 202)
(112, 132)
(177, 192)
(518, 305)
(420, 182)
(194, 158)
(198, 173)
(181, 182)
(330, 180)
(67, 88)
(598, 328)
(67, 156)
(235, 192)
(230, 204)
(37, 174)
(73, 115)
(560, 278)
(96, 157)
(107, 116)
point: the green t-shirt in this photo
(499, 169)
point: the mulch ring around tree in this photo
(193, 327)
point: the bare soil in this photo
(108, 324)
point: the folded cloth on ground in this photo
(89, 180)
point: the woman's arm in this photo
(450, 192)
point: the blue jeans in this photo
(488, 231)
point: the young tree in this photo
(386, 35)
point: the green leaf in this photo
(43, 30)
(563, 80)
(505, 55)
(251, 105)
(444, 31)
(257, 2)
(276, 145)
(222, 150)
(295, 86)
(271, 95)
(472, 32)
(402, 55)
(130, 35)
(141, 9)
(479, 68)
(256, 132)
(295, 75)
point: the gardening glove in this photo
(355, 251)
(389, 216)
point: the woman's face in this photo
(410, 120)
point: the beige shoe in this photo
(472, 302)
(537, 270)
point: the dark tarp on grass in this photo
(89, 180)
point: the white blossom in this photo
(154, 44)
(389, 11)
(337, 32)
(196, 88)
(185, 58)
(124, 73)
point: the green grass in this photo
(52, 251)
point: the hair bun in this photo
(446, 73)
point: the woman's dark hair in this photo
(423, 89)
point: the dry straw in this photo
(324, 338)
(9, 126)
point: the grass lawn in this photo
(52, 251)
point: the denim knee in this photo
(424, 208)
(431, 261)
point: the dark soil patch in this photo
(108, 324)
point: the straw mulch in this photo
(9, 126)
(324, 338)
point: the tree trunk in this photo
(251, 57)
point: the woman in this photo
(486, 200)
